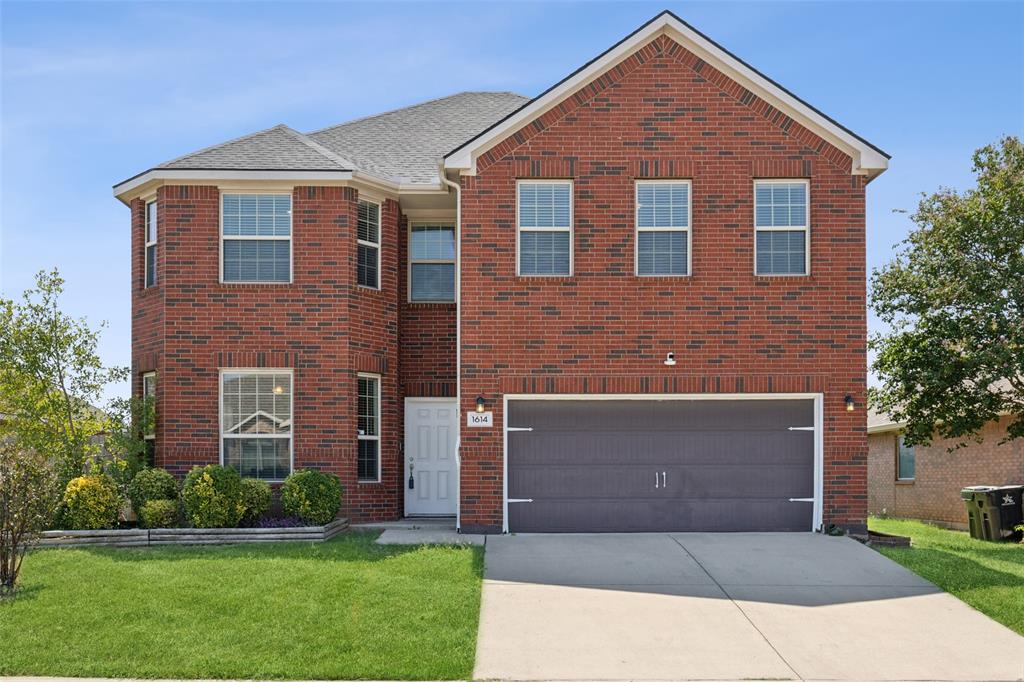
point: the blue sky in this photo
(93, 93)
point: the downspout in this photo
(458, 341)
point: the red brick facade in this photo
(662, 113)
(934, 494)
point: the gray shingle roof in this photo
(407, 144)
(277, 148)
(404, 145)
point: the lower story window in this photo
(256, 422)
(368, 460)
(906, 461)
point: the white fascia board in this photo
(866, 159)
(889, 426)
(151, 178)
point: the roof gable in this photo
(867, 159)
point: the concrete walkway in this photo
(724, 607)
(421, 531)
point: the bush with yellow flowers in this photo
(212, 497)
(91, 502)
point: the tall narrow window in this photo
(545, 227)
(369, 428)
(368, 247)
(149, 417)
(662, 228)
(150, 266)
(906, 461)
(256, 422)
(432, 263)
(781, 226)
(257, 236)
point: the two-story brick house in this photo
(634, 302)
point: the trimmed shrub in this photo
(159, 514)
(313, 496)
(212, 497)
(151, 484)
(91, 502)
(255, 499)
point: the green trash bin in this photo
(993, 511)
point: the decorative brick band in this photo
(686, 383)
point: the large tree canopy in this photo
(953, 299)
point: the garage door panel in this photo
(605, 515)
(592, 466)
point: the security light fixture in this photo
(849, 402)
(670, 359)
(479, 403)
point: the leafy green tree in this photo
(51, 377)
(953, 299)
(29, 491)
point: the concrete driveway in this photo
(724, 607)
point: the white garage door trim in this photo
(819, 441)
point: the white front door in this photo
(431, 431)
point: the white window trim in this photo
(290, 238)
(220, 413)
(428, 261)
(688, 229)
(359, 436)
(148, 243)
(785, 228)
(904, 479)
(380, 234)
(570, 230)
(146, 378)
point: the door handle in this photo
(655, 480)
(664, 480)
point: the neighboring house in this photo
(634, 302)
(924, 481)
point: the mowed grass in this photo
(343, 609)
(987, 575)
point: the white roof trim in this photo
(867, 160)
(129, 188)
(887, 426)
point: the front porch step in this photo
(438, 523)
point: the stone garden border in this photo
(140, 537)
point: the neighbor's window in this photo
(432, 263)
(149, 395)
(368, 237)
(905, 460)
(257, 236)
(781, 226)
(150, 265)
(256, 422)
(369, 428)
(545, 227)
(662, 228)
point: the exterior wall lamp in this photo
(479, 403)
(849, 402)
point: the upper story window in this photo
(662, 227)
(256, 422)
(782, 227)
(906, 460)
(432, 262)
(544, 222)
(150, 264)
(368, 247)
(257, 237)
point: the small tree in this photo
(29, 490)
(51, 377)
(953, 298)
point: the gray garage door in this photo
(668, 465)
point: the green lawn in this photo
(347, 608)
(987, 575)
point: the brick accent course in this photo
(934, 495)
(664, 113)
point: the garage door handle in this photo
(664, 482)
(801, 499)
(655, 480)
